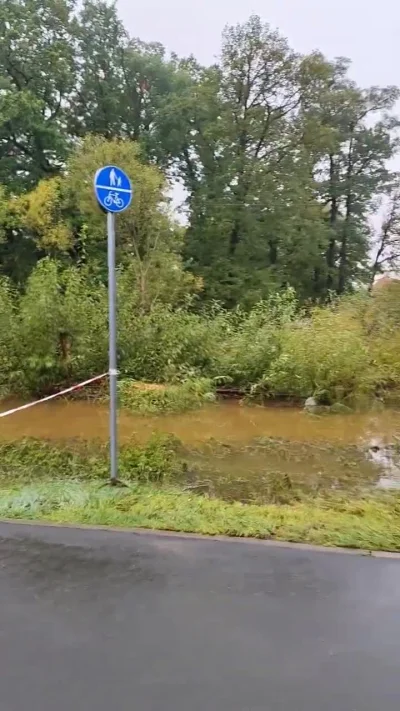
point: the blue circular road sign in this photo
(112, 188)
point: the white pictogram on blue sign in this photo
(112, 188)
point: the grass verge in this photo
(369, 523)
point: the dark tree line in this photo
(282, 156)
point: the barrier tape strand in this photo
(51, 397)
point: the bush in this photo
(382, 326)
(164, 345)
(8, 337)
(168, 345)
(151, 399)
(250, 342)
(58, 332)
(325, 355)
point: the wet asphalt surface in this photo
(100, 621)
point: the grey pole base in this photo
(115, 482)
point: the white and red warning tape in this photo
(51, 397)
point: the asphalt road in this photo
(105, 621)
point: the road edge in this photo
(266, 542)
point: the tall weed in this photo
(325, 355)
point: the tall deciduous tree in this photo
(254, 216)
(101, 42)
(123, 84)
(386, 244)
(351, 134)
(282, 156)
(36, 79)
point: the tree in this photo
(101, 42)
(282, 156)
(351, 135)
(18, 248)
(148, 238)
(252, 208)
(387, 240)
(36, 79)
(60, 218)
(123, 84)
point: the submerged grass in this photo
(26, 460)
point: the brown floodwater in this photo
(239, 446)
(225, 422)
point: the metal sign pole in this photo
(112, 316)
(113, 191)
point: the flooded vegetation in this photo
(269, 292)
(239, 452)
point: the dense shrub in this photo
(381, 319)
(249, 342)
(57, 329)
(325, 355)
(152, 399)
(165, 344)
(56, 332)
(8, 337)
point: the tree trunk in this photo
(347, 222)
(234, 237)
(343, 260)
(240, 194)
(333, 215)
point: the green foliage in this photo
(156, 461)
(55, 332)
(168, 344)
(283, 159)
(382, 323)
(250, 341)
(325, 355)
(165, 344)
(36, 80)
(62, 483)
(8, 336)
(149, 399)
(281, 183)
(32, 459)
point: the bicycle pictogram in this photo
(113, 199)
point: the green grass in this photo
(43, 481)
(34, 460)
(371, 523)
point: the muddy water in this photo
(254, 443)
(225, 422)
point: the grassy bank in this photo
(41, 482)
(371, 523)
